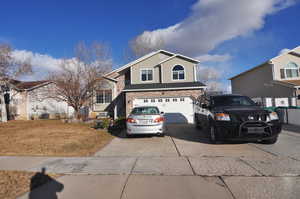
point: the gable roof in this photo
(178, 55)
(295, 52)
(150, 55)
(22, 85)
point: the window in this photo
(182, 99)
(153, 100)
(159, 100)
(145, 101)
(291, 70)
(146, 74)
(174, 100)
(145, 111)
(178, 72)
(103, 96)
(167, 100)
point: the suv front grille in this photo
(250, 117)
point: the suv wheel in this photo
(270, 141)
(212, 134)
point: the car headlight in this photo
(273, 116)
(222, 117)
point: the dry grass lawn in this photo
(16, 183)
(50, 138)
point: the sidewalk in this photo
(291, 128)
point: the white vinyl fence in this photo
(276, 102)
(292, 116)
(286, 114)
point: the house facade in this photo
(27, 101)
(277, 78)
(163, 79)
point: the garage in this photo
(176, 109)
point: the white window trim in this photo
(178, 76)
(195, 72)
(147, 69)
(104, 97)
(286, 68)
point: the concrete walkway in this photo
(181, 165)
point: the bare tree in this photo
(210, 77)
(77, 78)
(10, 69)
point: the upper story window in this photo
(178, 72)
(103, 97)
(291, 70)
(146, 74)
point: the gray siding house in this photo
(277, 77)
(161, 78)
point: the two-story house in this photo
(163, 79)
(276, 78)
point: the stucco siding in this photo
(281, 61)
(258, 83)
(168, 66)
(151, 63)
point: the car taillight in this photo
(131, 120)
(159, 119)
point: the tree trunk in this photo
(3, 109)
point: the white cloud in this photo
(212, 22)
(213, 58)
(42, 64)
(283, 51)
(41, 61)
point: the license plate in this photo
(255, 130)
(145, 121)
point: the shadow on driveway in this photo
(189, 132)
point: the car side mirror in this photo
(162, 113)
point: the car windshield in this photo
(145, 111)
(232, 101)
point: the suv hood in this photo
(241, 110)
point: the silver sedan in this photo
(145, 120)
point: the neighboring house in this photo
(27, 101)
(161, 78)
(276, 78)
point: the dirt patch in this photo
(50, 138)
(16, 183)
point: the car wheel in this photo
(128, 135)
(161, 134)
(212, 134)
(270, 141)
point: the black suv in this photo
(236, 117)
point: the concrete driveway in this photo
(182, 164)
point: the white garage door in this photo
(176, 109)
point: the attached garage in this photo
(176, 109)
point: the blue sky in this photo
(234, 37)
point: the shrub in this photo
(102, 123)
